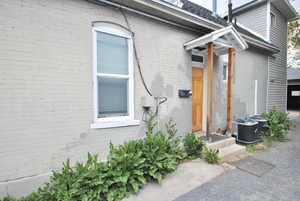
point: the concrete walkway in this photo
(275, 177)
(188, 176)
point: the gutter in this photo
(181, 14)
(208, 24)
(143, 14)
(215, 26)
(293, 10)
(255, 3)
(166, 8)
(248, 5)
(260, 44)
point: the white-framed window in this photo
(273, 19)
(113, 81)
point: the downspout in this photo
(214, 7)
(229, 11)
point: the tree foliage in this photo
(294, 34)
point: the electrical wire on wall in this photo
(158, 100)
(135, 53)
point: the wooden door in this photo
(197, 100)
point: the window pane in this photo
(112, 54)
(112, 97)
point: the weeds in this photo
(193, 145)
(211, 155)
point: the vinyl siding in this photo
(255, 19)
(277, 65)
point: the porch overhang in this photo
(223, 39)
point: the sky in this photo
(296, 4)
(222, 4)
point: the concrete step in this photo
(231, 151)
(221, 144)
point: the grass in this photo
(267, 141)
(253, 148)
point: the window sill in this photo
(115, 124)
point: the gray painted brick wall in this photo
(46, 99)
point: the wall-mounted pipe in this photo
(215, 7)
(229, 11)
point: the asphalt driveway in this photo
(271, 175)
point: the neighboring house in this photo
(269, 18)
(75, 75)
(293, 92)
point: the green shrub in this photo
(126, 163)
(211, 155)
(128, 167)
(31, 197)
(278, 124)
(193, 145)
(162, 153)
(85, 181)
(8, 198)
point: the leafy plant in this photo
(193, 145)
(8, 198)
(150, 123)
(126, 163)
(211, 155)
(278, 124)
(129, 166)
(162, 153)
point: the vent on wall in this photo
(197, 58)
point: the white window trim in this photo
(109, 122)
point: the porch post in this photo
(231, 55)
(210, 71)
